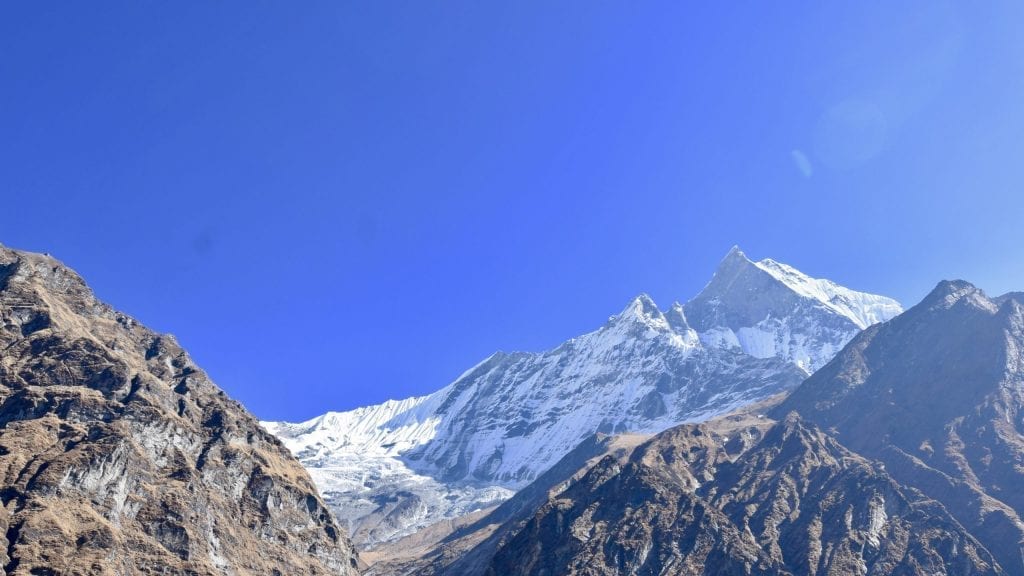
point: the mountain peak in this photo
(749, 290)
(735, 252)
(676, 318)
(769, 309)
(948, 293)
(734, 260)
(504, 422)
(938, 386)
(639, 308)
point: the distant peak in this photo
(1018, 296)
(641, 305)
(1010, 297)
(743, 292)
(645, 300)
(676, 317)
(640, 309)
(957, 287)
(734, 257)
(947, 293)
(734, 264)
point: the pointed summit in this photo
(640, 308)
(767, 309)
(742, 292)
(733, 261)
(734, 253)
(676, 318)
(500, 425)
(948, 293)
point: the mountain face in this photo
(769, 309)
(467, 546)
(785, 500)
(757, 329)
(903, 455)
(937, 396)
(119, 456)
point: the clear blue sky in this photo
(335, 203)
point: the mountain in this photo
(937, 396)
(758, 328)
(769, 309)
(119, 456)
(468, 549)
(903, 455)
(692, 502)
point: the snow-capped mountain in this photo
(757, 329)
(771, 310)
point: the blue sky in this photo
(335, 203)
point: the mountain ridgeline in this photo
(119, 456)
(775, 424)
(903, 455)
(756, 330)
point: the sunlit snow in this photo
(390, 469)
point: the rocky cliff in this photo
(785, 499)
(937, 397)
(119, 456)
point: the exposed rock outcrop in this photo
(119, 456)
(693, 502)
(937, 396)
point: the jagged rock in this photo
(793, 502)
(119, 456)
(937, 396)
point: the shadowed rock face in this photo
(119, 456)
(937, 395)
(691, 502)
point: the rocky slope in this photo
(758, 328)
(692, 502)
(937, 396)
(119, 456)
(903, 455)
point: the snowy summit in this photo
(756, 329)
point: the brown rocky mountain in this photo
(904, 455)
(119, 456)
(693, 502)
(937, 396)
